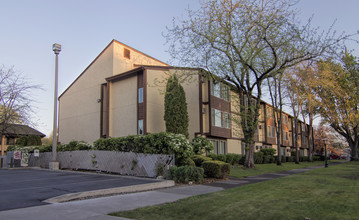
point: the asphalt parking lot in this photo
(20, 188)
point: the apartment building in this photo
(122, 93)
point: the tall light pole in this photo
(325, 152)
(54, 165)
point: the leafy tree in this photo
(176, 115)
(245, 42)
(338, 97)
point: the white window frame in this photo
(140, 95)
(140, 127)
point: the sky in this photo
(28, 28)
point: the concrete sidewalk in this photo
(99, 208)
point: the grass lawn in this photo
(271, 168)
(325, 193)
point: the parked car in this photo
(334, 157)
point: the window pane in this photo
(140, 127)
(218, 118)
(216, 89)
(225, 92)
(140, 95)
(223, 147)
(227, 120)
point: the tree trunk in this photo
(296, 141)
(310, 141)
(249, 162)
(279, 157)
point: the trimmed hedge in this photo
(199, 159)
(216, 169)
(185, 174)
(228, 158)
(258, 157)
(158, 143)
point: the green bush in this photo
(268, 159)
(230, 159)
(185, 174)
(303, 158)
(268, 151)
(242, 160)
(199, 159)
(258, 157)
(213, 156)
(216, 169)
(157, 143)
(31, 140)
(188, 162)
(316, 158)
(221, 157)
(284, 159)
(74, 146)
(201, 145)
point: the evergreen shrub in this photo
(216, 169)
(199, 159)
(185, 174)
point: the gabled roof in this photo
(15, 129)
(113, 41)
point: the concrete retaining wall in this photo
(126, 163)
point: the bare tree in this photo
(245, 42)
(275, 85)
(16, 99)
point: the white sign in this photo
(17, 155)
(36, 153)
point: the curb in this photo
(111, 191)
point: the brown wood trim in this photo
(200, 104)
(145, 101)
(101, 110)
(108, 110)
(230, 113)
(209, 106)
(58, 122)
(124, 75)
(265, 123)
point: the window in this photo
(220, 147)
(140, 127)
(140, 95)
(215, 146)
(216, 118)
(273, 131)
(227, 120)
(216, 89)
(221, 119)
(10, 140)
(127, 53)
(220, 90)
(225, 92)
(269, 131)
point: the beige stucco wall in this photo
(122, 64)
(79, 111)
(156, 85)
(123, 107)
(234, 146)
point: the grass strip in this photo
(325, 193)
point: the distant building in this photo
(122, 93)
(14, 131)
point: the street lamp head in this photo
(56, 48)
